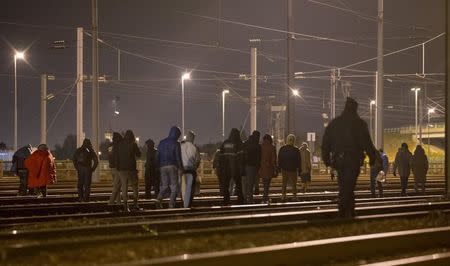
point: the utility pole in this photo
(118, 64)
(290, 65)
(44, 108)
(333, 94)
(253, 88)
(95, 90)
(420, 120)
(80, 77)
(447, 99)
(380, 73)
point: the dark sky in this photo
(150, 92)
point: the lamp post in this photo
(184, 77)
(17, 55)
(430, 111)
(371, 104)
(295, 93)
(416, 95)
(224, 92)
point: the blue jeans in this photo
(374, 183)
(169, 180)
(248, 183)
(84, 182)
(189, 182)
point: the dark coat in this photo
(289, 159)
(112, 149)
(419, 165)
(169, 149)
(230, 156)
(151, 163)
(85, 156)
(252, 152)
(268, 160)
(18, 160)
(127, 151)
(402, 162)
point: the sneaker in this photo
(40, 196)
(158, 204)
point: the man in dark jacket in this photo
(85, 161)
(171, 166)
(230, 166)
(127, 151)
(402, 163)
(152, 178)
(18, 167)
(112, 158)
(252, 159)
(344, 143)
(290, 164)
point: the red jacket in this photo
(268, 160)
(41, 169)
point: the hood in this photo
(129, 136)
(87, 144)
(290, 140)
(190, 136)
(23, 152)
(117, 137)
(150, 143)
(304, 146)
(174, 133)
(419, 150)
(267, 139)
(235, 136)
(256, 135)
(351, 106)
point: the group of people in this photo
(36, 170)
(245, 163)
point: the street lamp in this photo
(430, 111)
(224, 92)
(295, 93)
(416, 94)
(371, 104)
(184, 77)
(17, 55)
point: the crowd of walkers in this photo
(171, 168)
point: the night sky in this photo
(162, 39)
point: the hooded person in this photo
(85, 161)
(152, 178)
(419, 169)
(375, 172)
(112, 154)
(252, 159)
(402, 163)
(18, 168)
(344, 144)
(289, 162)
(41, 170)
(127, 152)
(305, 175)
(230, 166)
(171, 166)
(190, 156)
(268, 165)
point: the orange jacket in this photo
(41, 169)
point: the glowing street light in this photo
(296, 93)
(185, 76)
(20, 56)
(224, 92)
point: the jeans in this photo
(348, 173)
(129, 177)
(152, 181)
(292, 177)
(404, 184)
(373, 183)
(115, 195)
(266, 183)
(188, 179)
(225, 188)
(248, 183)
(169, 180)
(84, 182)
(23, 179)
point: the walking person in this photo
(18, 168)
(419, 169)
(85, 161)
(402, 163)
(268, 165)
(375, 173)
(152, 176)
(41, 170)
(127, 152)
(171, 166)
(252, 160)
(112, 159)
(230, 166)
(344, 143)
(190, 156)
(305, 174)
(289, 162)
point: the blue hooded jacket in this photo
(169, 149)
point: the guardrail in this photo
(65, 169)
